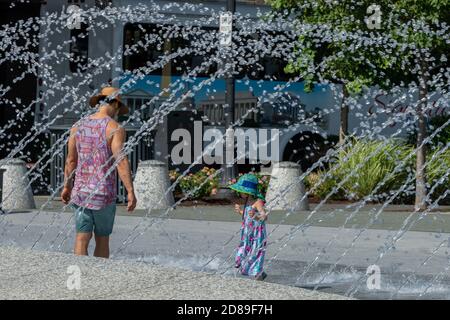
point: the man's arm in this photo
(123, 166)
(70, 167)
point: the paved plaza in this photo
(316, 253)
(26, 274)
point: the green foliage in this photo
(373, 169)
(411, 47)
(196, 185)
(388, 162)
(441, 138)
(438, 176)
(323, 185)
(342, 59)
(438, 173)
(173, 176)
(357, 56)
(263, 182)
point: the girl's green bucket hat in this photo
(247, 184)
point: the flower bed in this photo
(203, 183)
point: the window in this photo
(145, 44)
(102, 4)
(137, 55)
(267, 67)
(79, 48)
(141, 105)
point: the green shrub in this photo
(437, 172)
(173, 176)
(436, 169)
(375, 169)
(196, 185)
(369, 163)
(441, 138)
(323, 188)
(263, 182)
(362, 181)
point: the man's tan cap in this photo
(107, 95)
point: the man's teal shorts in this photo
(98, 221)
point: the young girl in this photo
(252, 247)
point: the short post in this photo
(1, 187)
(286, 190)
(152, 185)
(16, 191)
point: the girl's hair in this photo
(246, 200)
(253, 197)
(245, 205)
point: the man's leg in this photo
(82, 243)
(101, 247)
(103, 227)
(84, 225)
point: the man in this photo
(94, 152)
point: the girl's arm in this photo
(237, 208)
(259, 205)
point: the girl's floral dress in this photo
(252, 247)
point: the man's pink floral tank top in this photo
(95, 180)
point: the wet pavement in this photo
(325, 259)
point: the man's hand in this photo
(65, 195)
(131, 201)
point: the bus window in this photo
(266, 67)
(179, 65)
(198, 59)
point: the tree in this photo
(409, 46)
(336, 48)
(424, 27)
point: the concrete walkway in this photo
(332, 260)
(330, 252)
(27, 274)
(372, 216)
